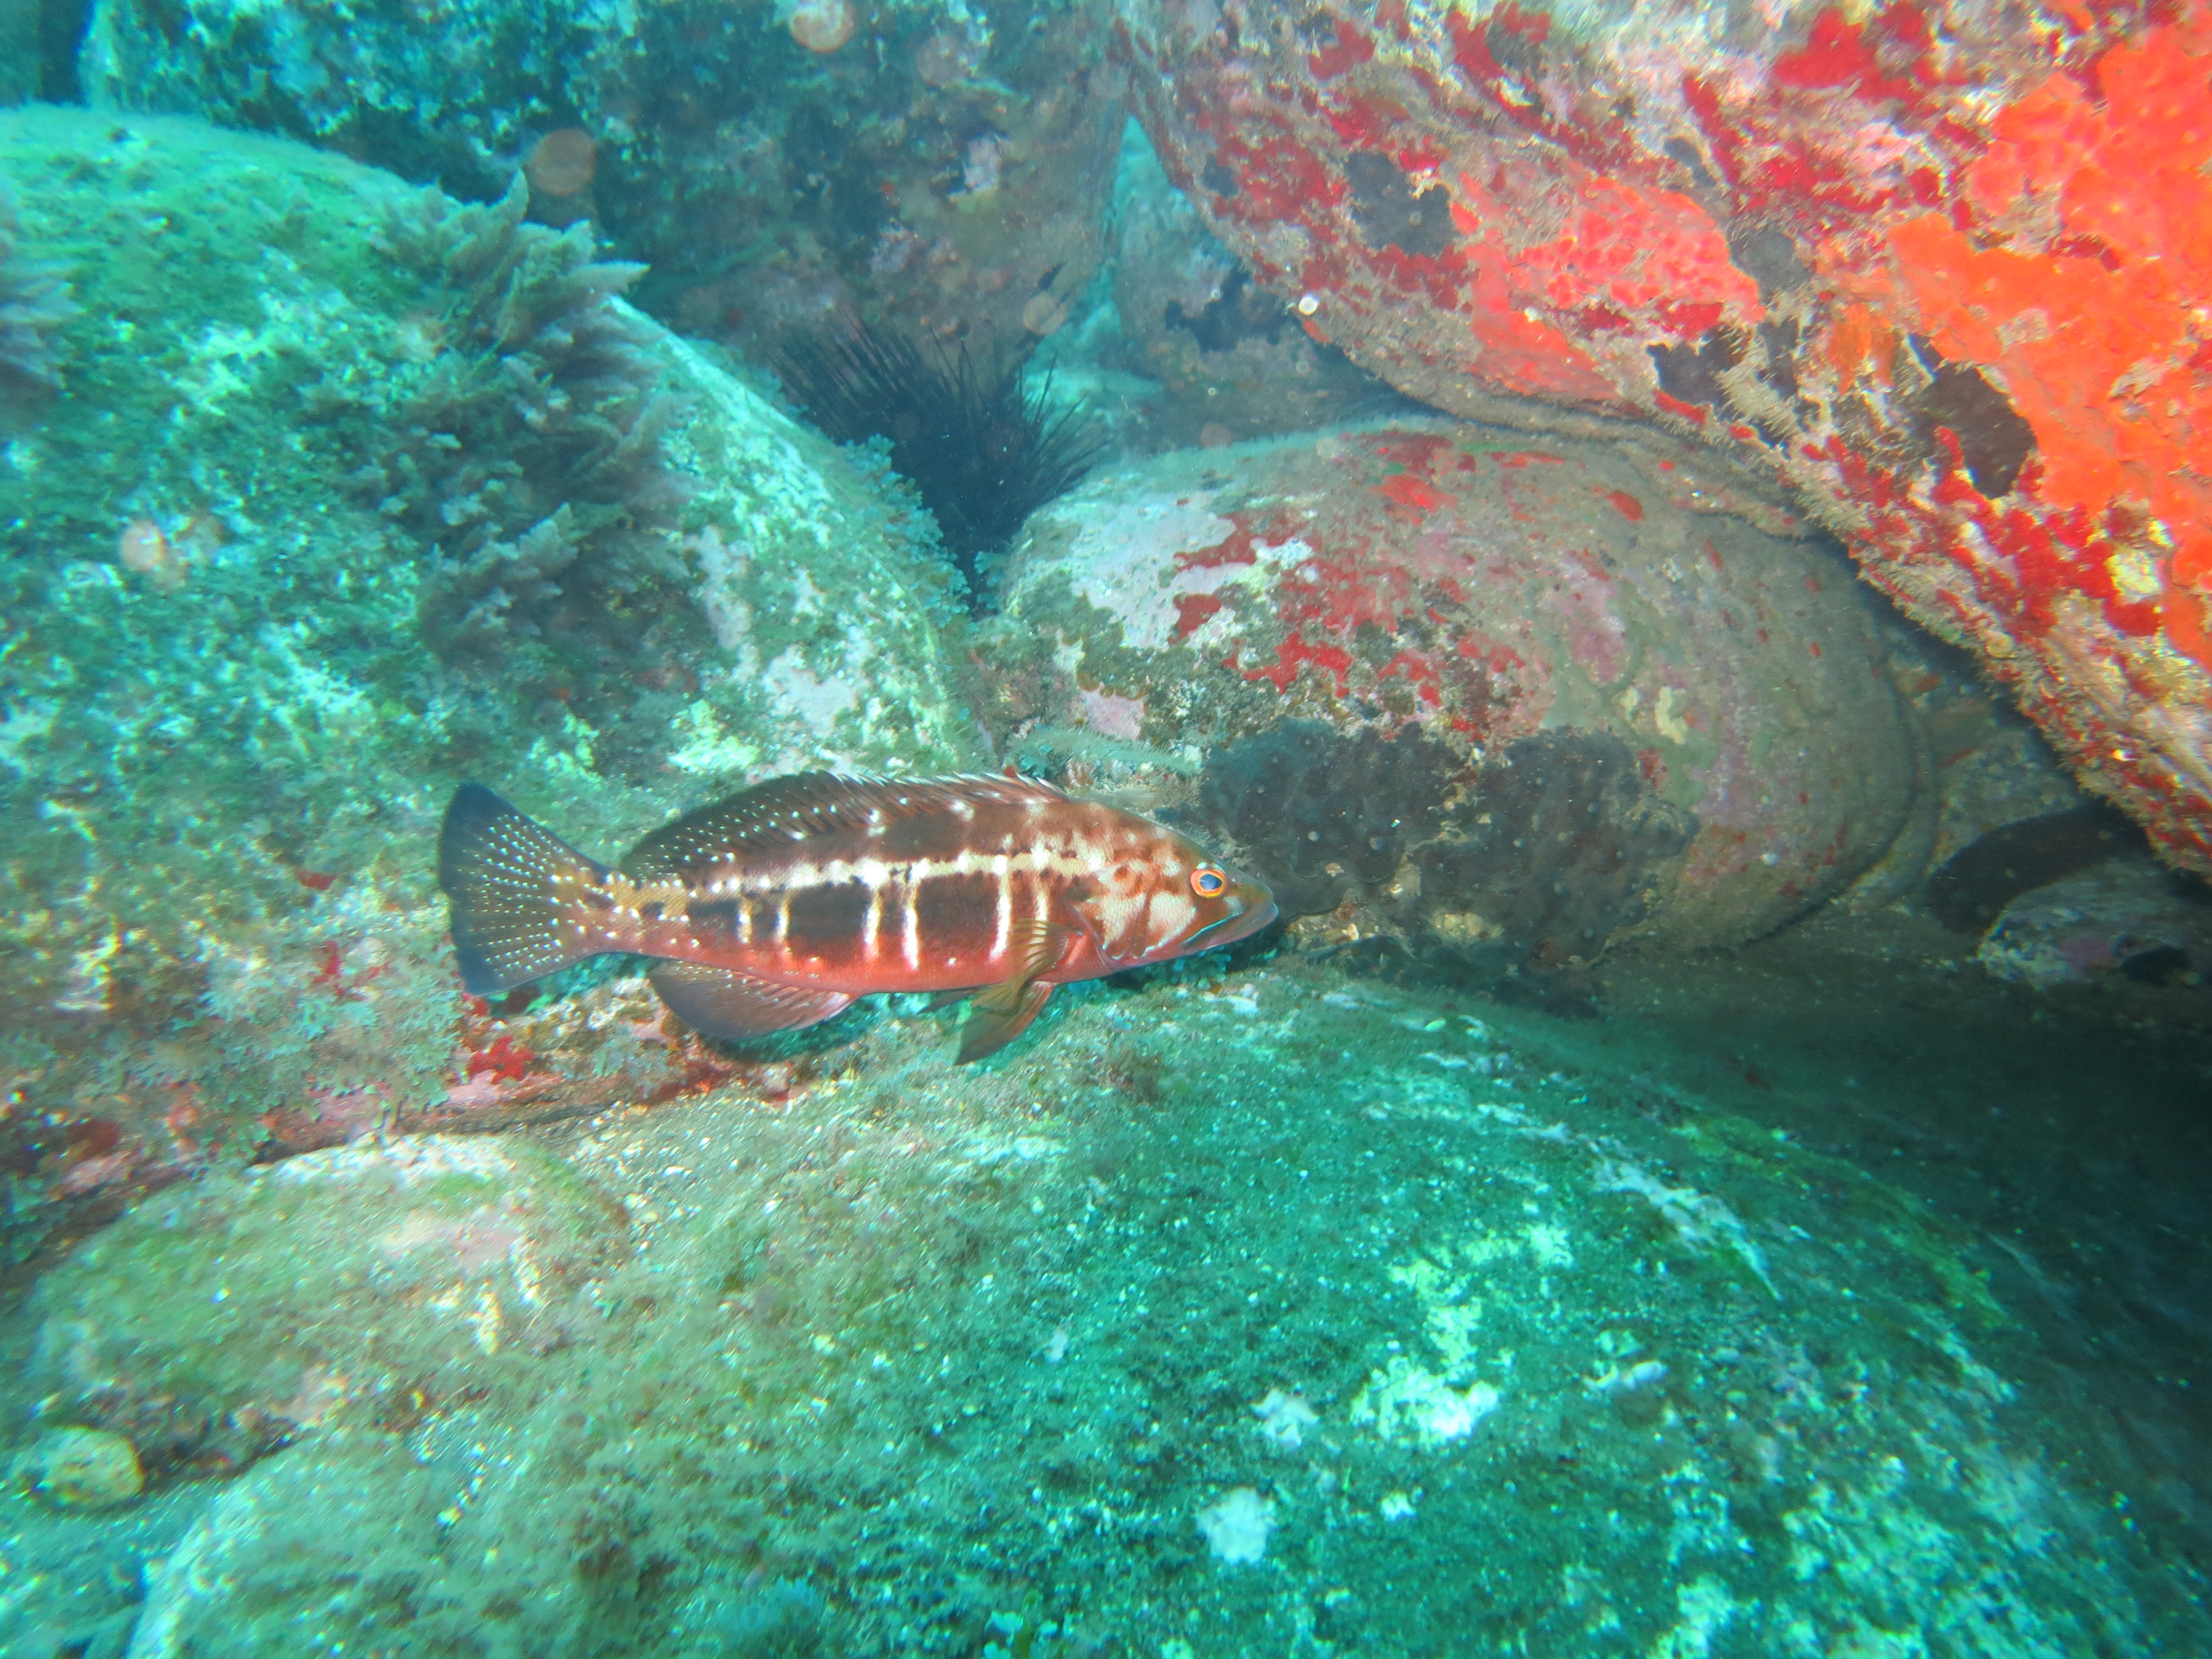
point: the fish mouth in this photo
(1238, 924)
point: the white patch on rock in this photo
(805, 696)
(1284, 1419)
(1121, 556)
(1237, 1525)
(1411, 1405)
(1113, 717)
(723, 566)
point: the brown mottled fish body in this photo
(776, 909)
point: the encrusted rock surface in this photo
(1943, 268)
(1235, 1310)
(1514, 698)
(344, 492)
(365, 1285)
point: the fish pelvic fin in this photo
(988, 1029)
(1036, 948)
(521, 899)
(998, 1013)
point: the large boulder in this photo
(1243, 1313)
(1922, 263)
(1513, 698)
(330, 492)
(359, 1286)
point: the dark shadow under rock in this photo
(1540, 858)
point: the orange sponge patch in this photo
(2090, 293)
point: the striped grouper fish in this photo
(777, 907)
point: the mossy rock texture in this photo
(342, 493)
(361, 1284)
(1249, 1312)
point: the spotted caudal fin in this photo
(519, 893)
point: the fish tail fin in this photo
(519, 894)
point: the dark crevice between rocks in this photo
(1238, 313)
(1692, 375)
(62, 24)
(1391, 214)
(1994, 440)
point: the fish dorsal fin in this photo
(718, 1003)
(782, 811)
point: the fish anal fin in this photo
(1035, 947)
(717, 1002)
(986, 1031)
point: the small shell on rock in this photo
(1044, 315)
(822, 26)
(83, 1468)
(563, 162)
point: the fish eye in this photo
(1207, 882)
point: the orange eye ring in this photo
(1207, 882)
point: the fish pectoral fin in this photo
(987, 1030)
(718, 1003)
(1035, 947)
(946, 998)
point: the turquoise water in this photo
(1710, 1158)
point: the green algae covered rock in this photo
(370, 1515)
(362, 1284)
(1240, 1316)
(342, 493)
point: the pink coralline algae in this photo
(1684, 714)
(1944, 269)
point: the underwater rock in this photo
(344, 492)
(1510, 698)
(944, 1341)
(1232, 361)
(329, 1544)
(33, 304)
(2121, 924)
(1916, 264)
(366, 1285)
(939, 173)
(83, 1468)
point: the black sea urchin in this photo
(985, 451)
